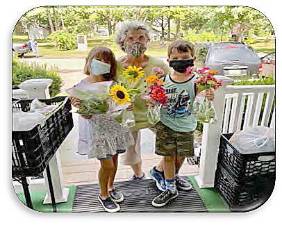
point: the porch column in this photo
(39, 88)
(211, 138)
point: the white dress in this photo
(102, 136)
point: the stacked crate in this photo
(244, 180)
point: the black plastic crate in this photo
(245, 166)
(33, 149)
(245, 195)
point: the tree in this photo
(108, 16)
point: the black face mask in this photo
(181, 65)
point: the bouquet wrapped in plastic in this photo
(94, 97)
(202, 107)
(156, 95)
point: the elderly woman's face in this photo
(135, 43)
(134, 36)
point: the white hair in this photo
(123, 27)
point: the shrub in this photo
(23, 71)
(63, 40)
(204, 37)
(201, 51)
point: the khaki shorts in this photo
(133, 154)
(172, 143)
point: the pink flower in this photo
(158, 71)
(189, 70)
(203, 70)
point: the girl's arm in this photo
(75, 101)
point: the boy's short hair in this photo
(181, 46)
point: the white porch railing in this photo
(237, 107)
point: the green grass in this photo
(38, 198)
(211, 198)
(19, 38)
(266, 47)
(49, 50)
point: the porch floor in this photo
(85, 171)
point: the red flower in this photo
(157, 94)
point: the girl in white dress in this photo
(103, 137)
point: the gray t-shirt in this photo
(177, 113)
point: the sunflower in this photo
(119, 94)
(133, 73)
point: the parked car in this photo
(268, 65)
(21, 49)
(233, 59)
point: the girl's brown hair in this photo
(103, 54)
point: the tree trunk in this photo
(62, 19)
(50, 20)
(163, 29)
(109, 27)
(168, 28)
(55, 18)
(177, 28)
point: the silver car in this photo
(233, 59)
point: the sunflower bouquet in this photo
(156, 96)
(202, 107)
(126, 91)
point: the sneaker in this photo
(182, 184)
(134, 177)
(117, 196)
(158, 177)
(109, 205)
(164, 198)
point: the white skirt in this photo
(102, 136)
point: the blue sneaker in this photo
(159, 178)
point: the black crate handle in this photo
(225, 179)
(266, 158)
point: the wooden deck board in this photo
(86, 171)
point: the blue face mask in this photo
(99, 68)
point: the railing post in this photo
(211, 138)
(39, 88)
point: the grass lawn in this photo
(48, 50)
(266, 47)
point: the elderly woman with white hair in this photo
(133, 38)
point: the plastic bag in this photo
(41, 107)
(128, 119)
(254, 140)
(94, 97)
(154, 113)
(203, 110)
(25, 121)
